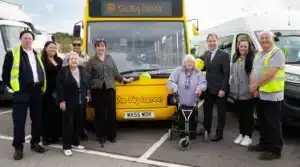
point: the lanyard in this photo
(188, 79)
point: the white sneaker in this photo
(246, 141)
(68, 152)
(239, 139)
(79, 147)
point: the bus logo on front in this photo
(111, 7)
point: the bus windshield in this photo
(140, 45)
(11, 35)
(289, 40)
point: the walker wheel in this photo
(184, 144)
(170, 135)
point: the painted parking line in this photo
(153, 148)
(5, 112)
(114, 156)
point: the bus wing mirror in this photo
(195, 27)
(195, 30)
(76, 31)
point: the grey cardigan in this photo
(239, 81)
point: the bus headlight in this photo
(292, 78)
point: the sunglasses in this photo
(76, 44)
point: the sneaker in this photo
(246, 141)
(68, 152)
(79, 147)
(239, 139)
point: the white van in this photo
(288, 29)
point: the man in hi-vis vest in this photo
(23, 72)
(267, 81)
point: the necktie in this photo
(209, 57)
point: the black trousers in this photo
(210, 100)
(192, 120)
(72, 123)
(105, 112)
(269, 117)
(51, 118)
(245, 110)
(30, 97)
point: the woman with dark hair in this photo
(51, 130)
(102, 72)
(239, 91)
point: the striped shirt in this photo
(102, 72)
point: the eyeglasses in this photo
(76, 44)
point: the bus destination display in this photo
(134, 8)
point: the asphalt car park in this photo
(147, 144)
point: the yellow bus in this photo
(144, 37)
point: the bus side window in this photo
(226, 43)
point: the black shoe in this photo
(201, 132)
(84, 137)
(112, 140)
(54, 140)
(37, 148)
(101, 141)
(267, 156)
(256, 148)
(18, 155)
(45, 142)
(217, 138)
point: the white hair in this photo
(189, 58)
(268, 32)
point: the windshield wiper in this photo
(137, 70)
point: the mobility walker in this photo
(184, 142)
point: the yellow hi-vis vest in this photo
(277, 83)
(15, 70)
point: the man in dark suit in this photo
(24, 73)
(217, 67)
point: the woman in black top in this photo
(103, 72)
(51, 114)
(72, 88)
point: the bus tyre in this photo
(184, 144)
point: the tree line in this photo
(64, 41)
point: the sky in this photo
(54, 16)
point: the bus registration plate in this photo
(136, 115)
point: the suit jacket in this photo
(67, 88)
(217, 71)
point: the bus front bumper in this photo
(139, 114)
